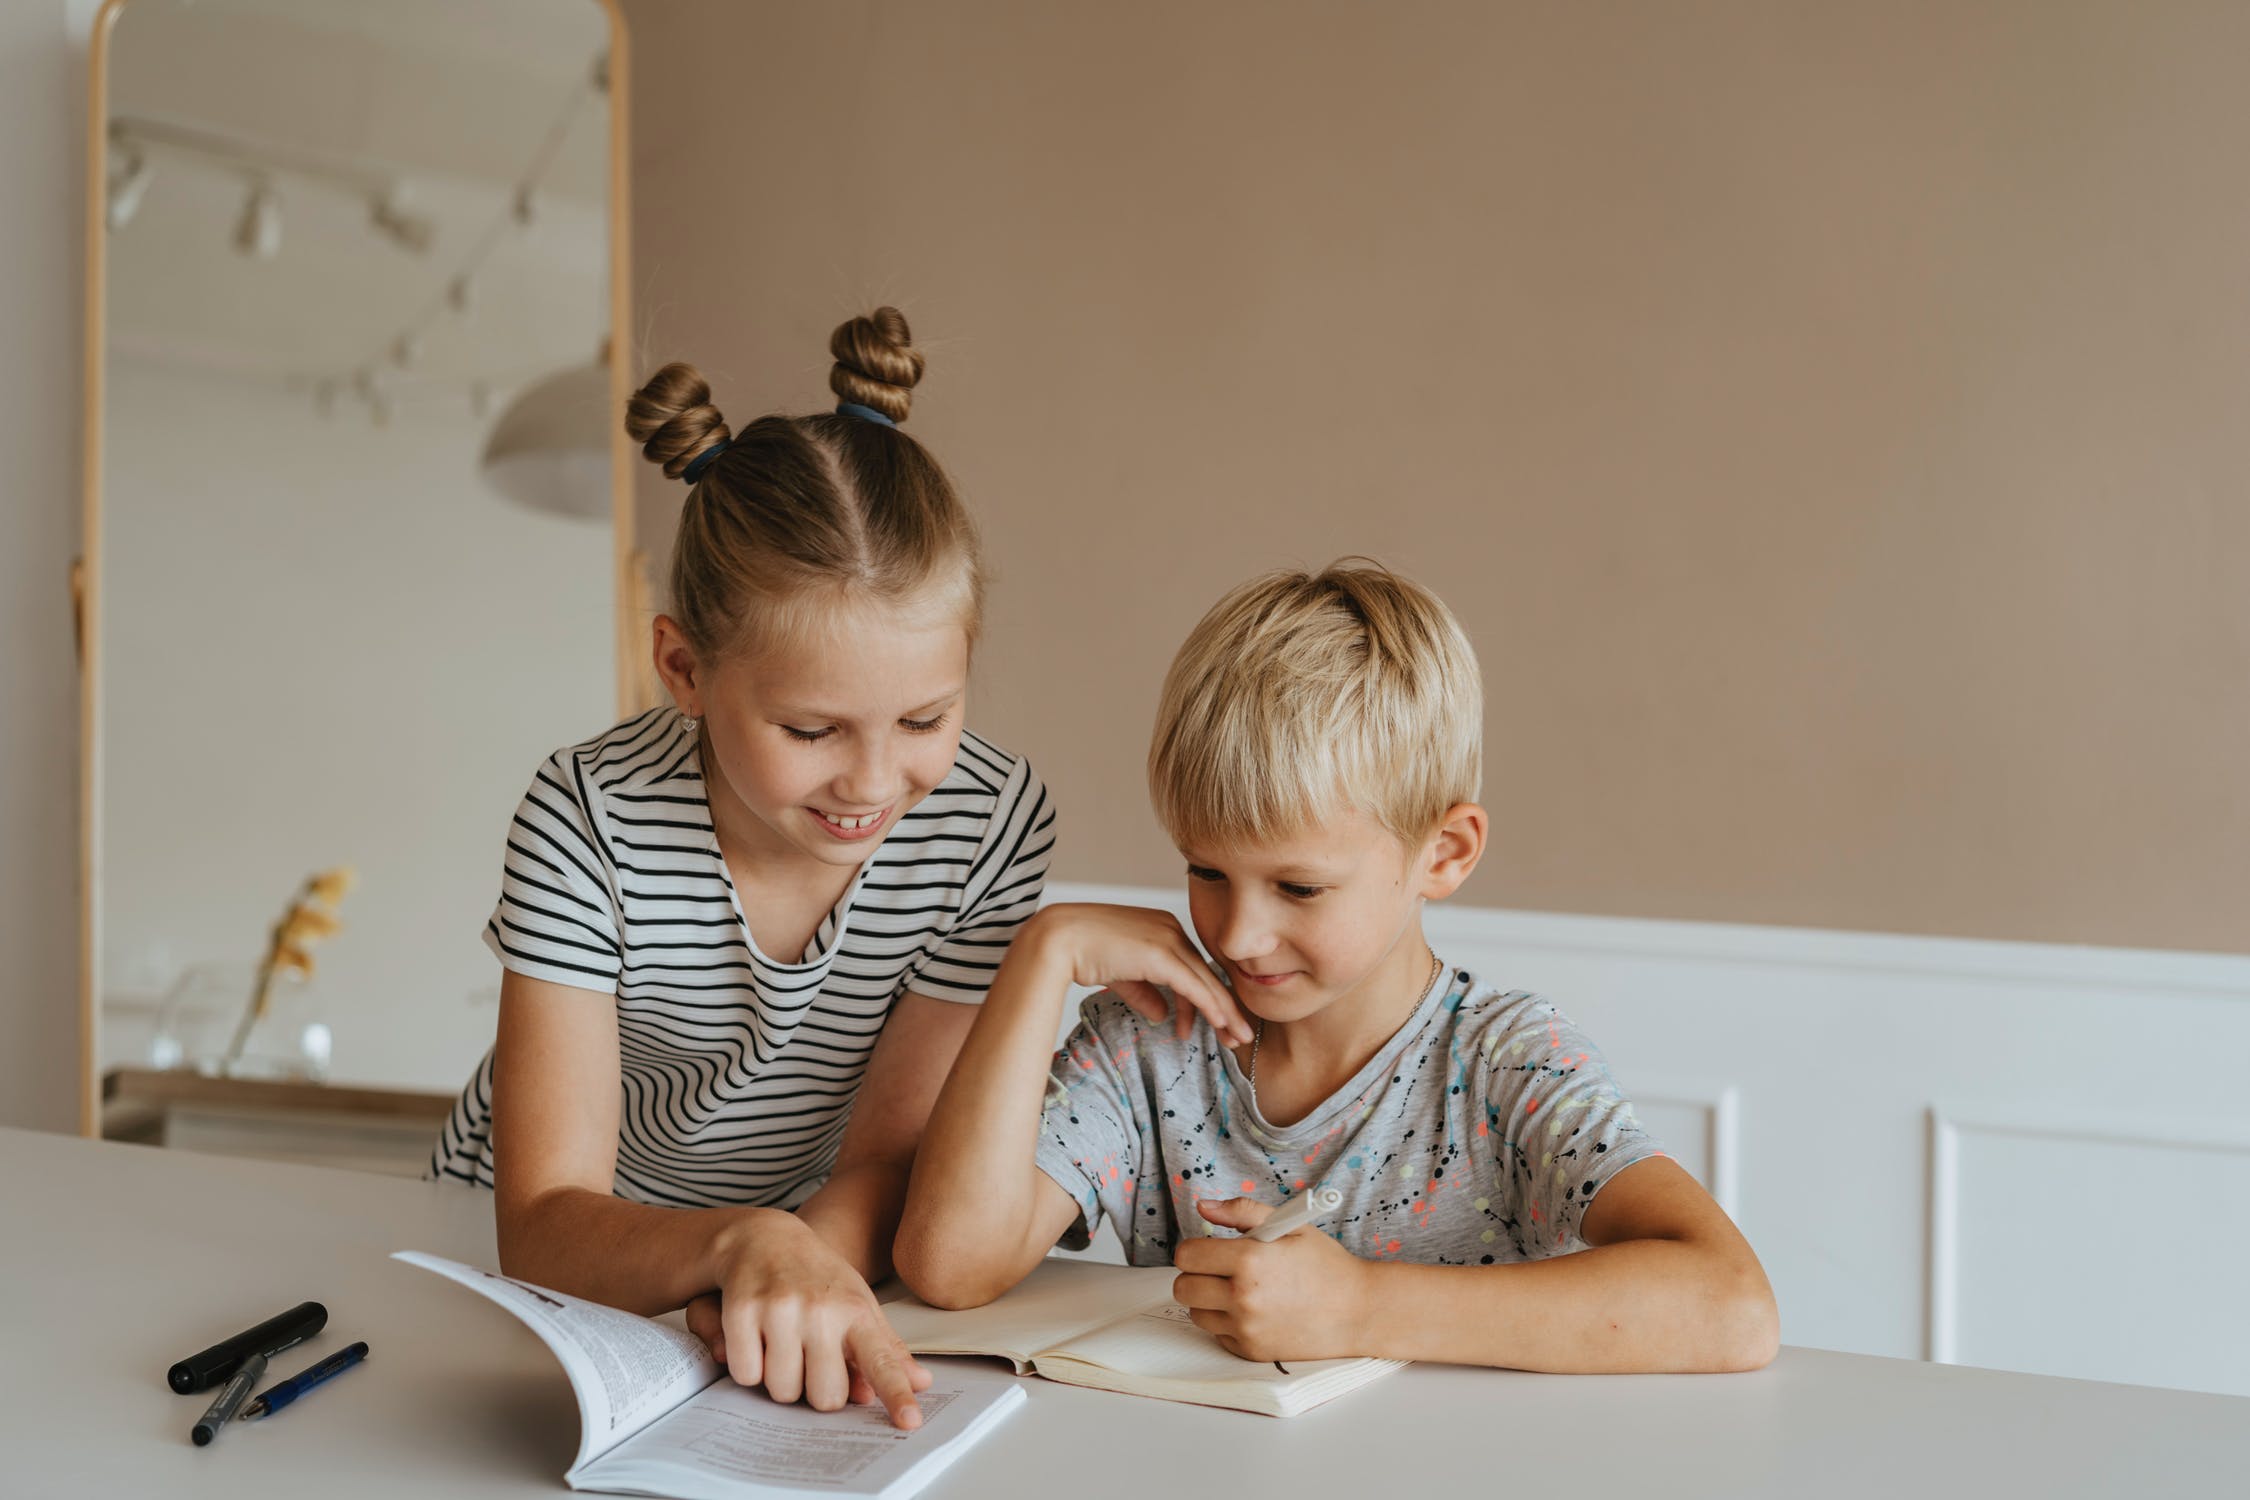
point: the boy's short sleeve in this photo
(1090, 1141)
(1560, 1125)
(1003, 891)
(557, 917)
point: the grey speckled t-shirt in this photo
(1478, 1134)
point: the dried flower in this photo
(305, 925)
(310, 918)
(330, 887)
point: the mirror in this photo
(353, 552)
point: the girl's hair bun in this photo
(672, 418)
(877, 364)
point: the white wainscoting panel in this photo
(1796, 1073)
(1698, 1124)
(2098, 1246)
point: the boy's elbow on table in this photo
(1754, 1323)
(1742, 1328)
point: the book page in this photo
(728, 1443)
(1059, 1300)
(626, 1370)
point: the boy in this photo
(1316, 759)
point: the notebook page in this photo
(1059, 1300)
(1160, 1352)
(1161, 1344)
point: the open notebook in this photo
(1116, 1328)
(656, 1415)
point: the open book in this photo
(657, 1416)
(1116, 1328)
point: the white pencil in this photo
(1298, 1212)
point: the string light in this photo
(522, 211)
(258, 232)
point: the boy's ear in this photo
(676, 665)
(1454, 850)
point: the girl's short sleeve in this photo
(557, 917)
(1003, 891)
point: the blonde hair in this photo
(1302, 695)
(796, 516)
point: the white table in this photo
(119, 1259)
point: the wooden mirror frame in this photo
(628, 571)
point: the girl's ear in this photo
(1453, 850)
(677, 666)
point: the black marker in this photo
(200, 1372)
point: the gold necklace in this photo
(1437, 966)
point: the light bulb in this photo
(404, 228)
(258, 234)
(128, 185)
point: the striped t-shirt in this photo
(739, 1070)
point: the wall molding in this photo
(1941, 1335)
(1721, 1107)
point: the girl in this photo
(744, 936)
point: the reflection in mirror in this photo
(356, 541)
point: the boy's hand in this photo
(1131, 950)
(1302, 1296)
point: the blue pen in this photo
(296, 1385)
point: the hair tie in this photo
(864, 413)
(704, 460)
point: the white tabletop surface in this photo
(116, 1260)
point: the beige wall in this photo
(1828, 420)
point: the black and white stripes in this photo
(738, 1072)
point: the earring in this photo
(689, 723)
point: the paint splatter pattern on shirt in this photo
(1477, 1134)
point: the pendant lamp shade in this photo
(549, 450)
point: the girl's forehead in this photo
(883, 659)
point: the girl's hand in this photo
(1302, 1296)
(1131, 950)
(792, 1315)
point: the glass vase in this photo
(200, 1016)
